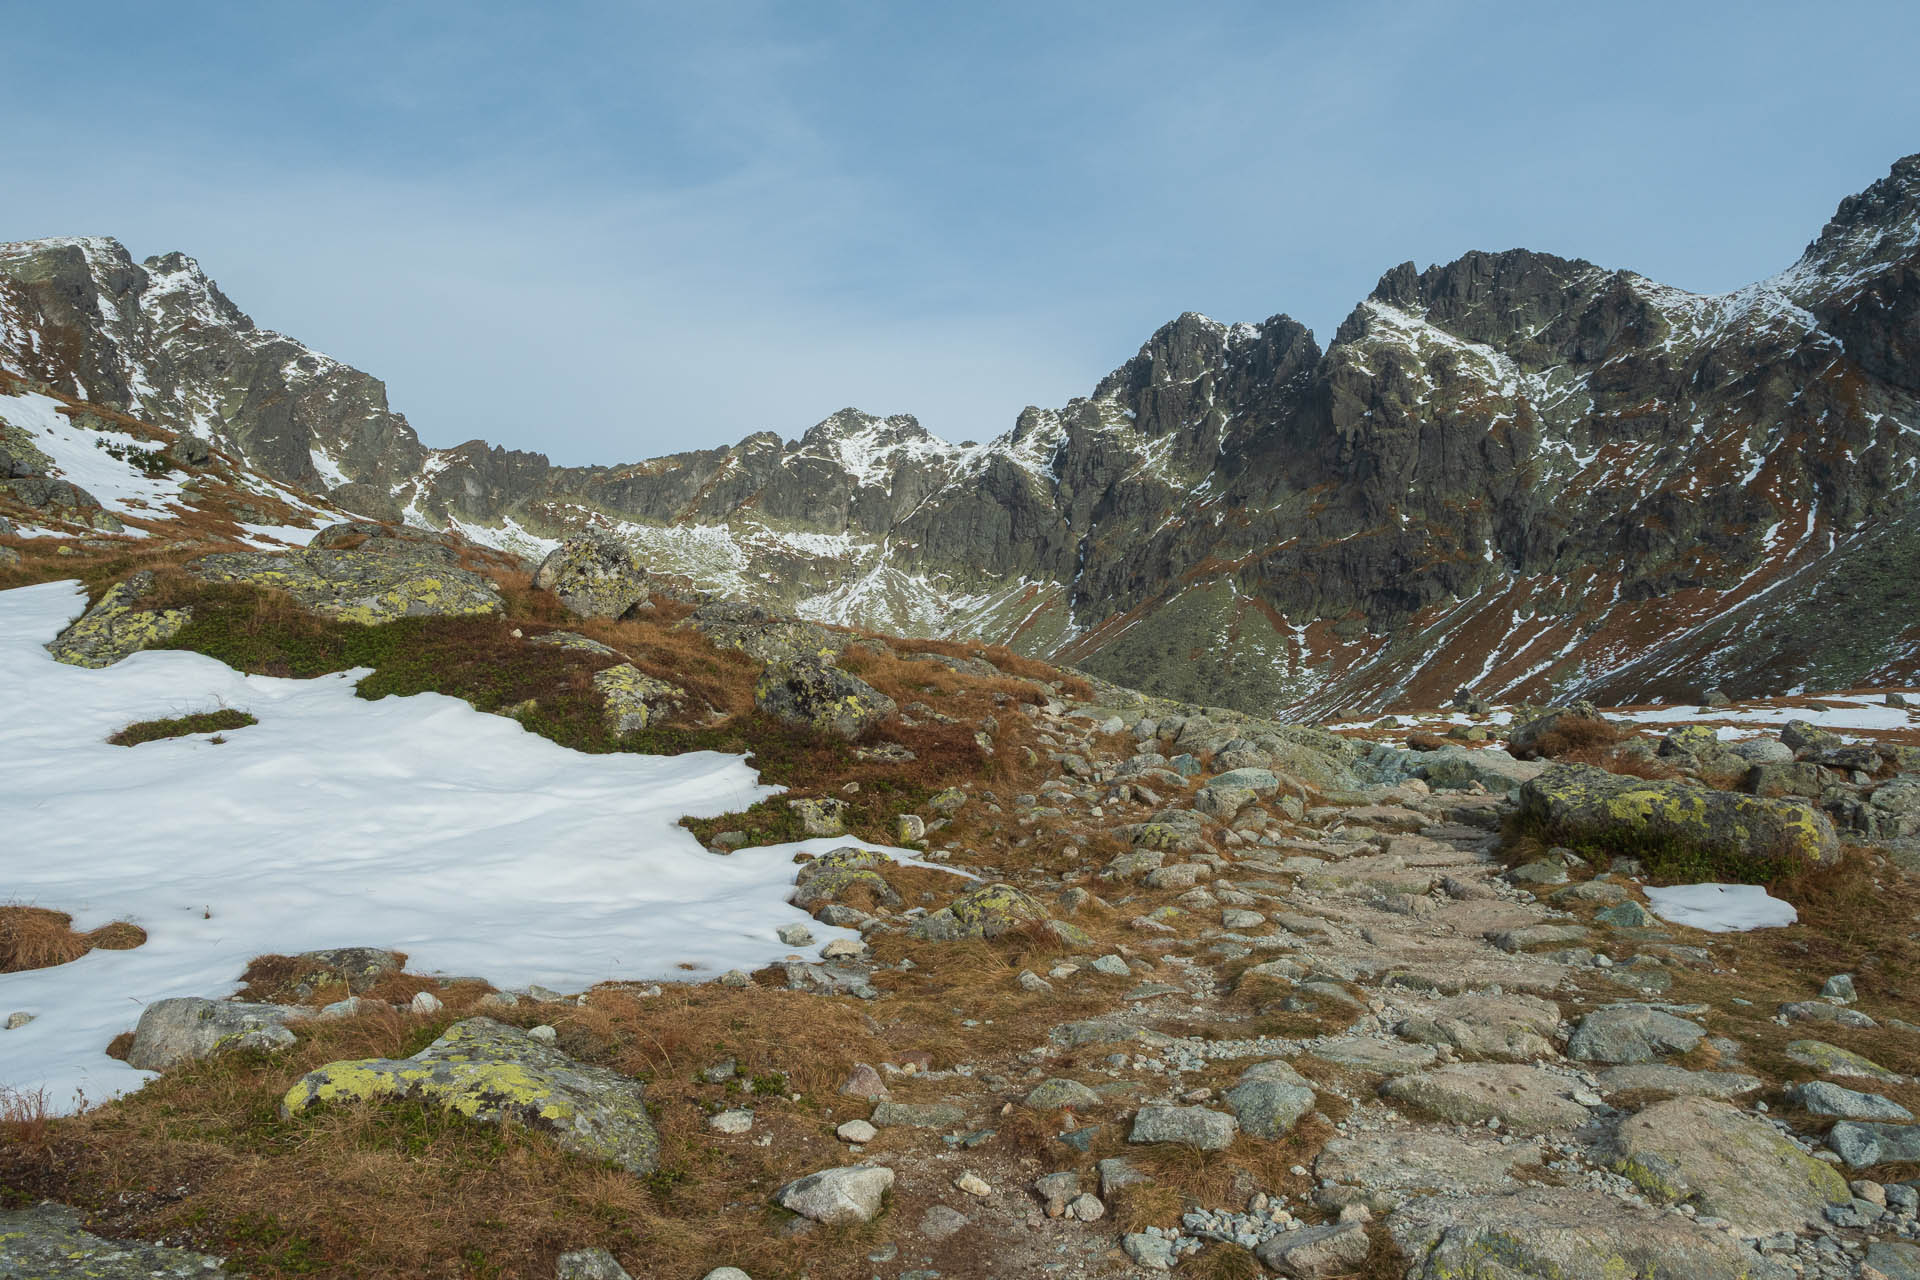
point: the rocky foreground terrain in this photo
(1139, 986)
(1529, 474)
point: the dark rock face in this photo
(1528, 474)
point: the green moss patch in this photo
(182, 726)
(548, 689)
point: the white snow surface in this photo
(121, 487)
(1721, 908)
(273, 536)
(413, 823)
(1852, 711)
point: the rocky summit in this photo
(864, 856)
(1535, 475)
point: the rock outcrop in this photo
(47, 1242)
(594, 575)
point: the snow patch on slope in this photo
(80, 456)
(335, 821)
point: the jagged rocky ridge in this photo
(1528, 474)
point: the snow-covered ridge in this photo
(872, 450)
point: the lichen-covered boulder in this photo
(989, 912)
(47, 1242)
(489, 1071)
(1832, 1060)
(1804, 735)
(1863, 1144)
(1196, 1127)
(598, 1264)
(840, 874)
(1267, 1107)
(1581, 802)
(594, 575)
(1567, 1234)
(634, 699)
(733, 624)
(810, 692)
(189, 1028)
(401, 580)
(116, 626)
(1631, 1033)
(820, 815)
(19, 455)
(1727, 1164)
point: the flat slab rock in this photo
(1368, 1054)
(488, 1071)
(1677, 1082)
(1631, 1033)
(1524, 1099)
(47, 1243)
(1727, 1164)
(1515, 1028)
(1422, 1162)
(1567, 1234)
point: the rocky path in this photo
(1499, 1070)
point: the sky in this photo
(608, 231)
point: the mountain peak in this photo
(1868, 232)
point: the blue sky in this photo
(608, 231)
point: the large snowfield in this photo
(416, 823)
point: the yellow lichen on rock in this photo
(367, 585)
(634, 699)
(116, 627)
(1576, 802)
(488, 1071)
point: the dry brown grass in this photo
(1223, 1262)
(1021, 668)
(412, 1191)
(25, 1120)
(39, 938)
(1578, 733)
(1859, 916)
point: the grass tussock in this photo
(39, 938)
(1224, 1262)
(25, 1120)
(182, 726)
